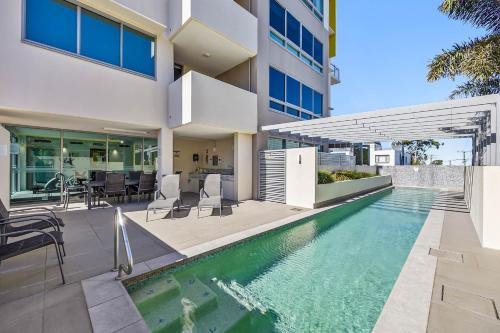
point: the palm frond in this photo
(478, 59)
(481, 13)
(477, 88)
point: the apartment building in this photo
(159, 85)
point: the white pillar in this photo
(5, 167)
(243, 166)
(165, 151)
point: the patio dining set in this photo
(28, 229)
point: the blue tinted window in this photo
(138, 52)
(51, 22)
(277, 17)
(292, 91)
(306, 116)
(318, 103)
(99, 38)
(276, 106)
(318, 51)
(276, 84)
(307, 98)
(307, 41)
(292, 29)
(319, 5)
(292, 111)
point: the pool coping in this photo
(110, 307)
(408, 305)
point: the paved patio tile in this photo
(113, 315)
(137, 327)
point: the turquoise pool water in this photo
(330, 273)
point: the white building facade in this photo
(162, 85)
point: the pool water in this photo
(329, 273)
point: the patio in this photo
(32, 298)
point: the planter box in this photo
(330, 193)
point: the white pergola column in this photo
(165, 151)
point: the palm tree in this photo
(477, 59)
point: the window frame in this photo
(285, 105)
(314, 10)
(78, 55)
(387, 159)
(290, 46)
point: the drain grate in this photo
(468, 301)
(447, 255)
(297, 209)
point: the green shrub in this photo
(325, 177)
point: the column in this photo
(165, 151)
(243, 166)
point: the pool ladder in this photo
(122, 269)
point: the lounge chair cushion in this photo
(29, 244)
(162, 203)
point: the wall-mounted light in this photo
(300, 159)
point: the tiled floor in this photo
(32, 298)
(466, 293)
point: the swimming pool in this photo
(329, 273)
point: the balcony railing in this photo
(334, 73)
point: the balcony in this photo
(201, 106)
(334, 74)
(211, 36)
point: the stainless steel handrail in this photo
(122, 268)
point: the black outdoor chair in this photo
(13, 227)
(146, 185)
(134, 175)
(113, 186)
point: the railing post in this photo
(116, 240)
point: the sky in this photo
(383, 49)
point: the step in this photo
(151, 294)
(170, 314)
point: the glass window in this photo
(277, 17)
(150, 155)
(274, 143)
(292, 91)
(307, 98)
(35, 161)
(292, 111)
(318, 103)
(292, 29)
(138, 52)
(318, 51)
(122, 153)
(319, 5)
(276, 84)
(305, 116)
(292, 144)
(99, 38)
(307, 41)
(52, 22)
(82, 153)
(277, 38)
(276, 106)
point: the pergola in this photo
(474, 118)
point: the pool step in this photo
(160, 289)
(170, 312)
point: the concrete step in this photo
(160, 289)
(171, 312)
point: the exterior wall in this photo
(329, 193)
(439, 177)
(271, 54)
(5, 167)
(238, 76)
(234, 26)
(301, 177)
(392, 157)
(44, 81)
(481, 195)
(200, 99)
